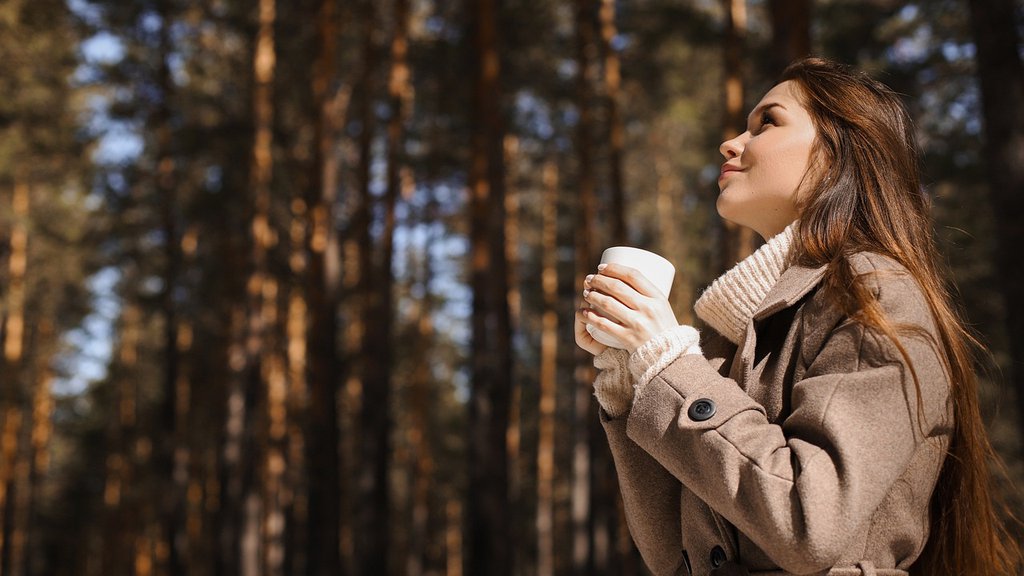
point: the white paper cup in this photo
(655, 268)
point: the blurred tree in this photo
(43, 262)
(324, 285)
(584, 411)
(791, 31)
(488, 513)
(1001, 75)
(738, 242)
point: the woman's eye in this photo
(767, 119)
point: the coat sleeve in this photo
(650, 497)
(801, 488)
(650, 493)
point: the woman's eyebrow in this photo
(760, 109)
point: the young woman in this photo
(826, 420)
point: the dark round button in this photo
(701, 410)
(717, 556)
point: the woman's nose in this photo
(733, 147)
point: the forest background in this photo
(288, 287)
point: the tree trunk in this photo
(377, 352)
(583, 559)
(173, 449)
(617, 138)
(264, 369)
(737, 242)
(322, 286)
(40, 433)
(548, 376)
(120, 510)
(670, 196)
(488, 551)
(514, 435)
(791, 31)
(421, 437)
(1001, 75)
(12, 397)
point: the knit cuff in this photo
(656, 354)
(613, 386)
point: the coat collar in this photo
(793, 285)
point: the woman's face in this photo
(765, 166)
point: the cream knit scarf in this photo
(731, 300)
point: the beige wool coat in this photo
(800, 451)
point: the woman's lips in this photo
(726, 170)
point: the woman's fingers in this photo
(628, 277)
(595, 319)
(608, 306)
(583, 337)
(615, 288)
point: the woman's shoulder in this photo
(894, 287)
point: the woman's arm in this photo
(650, 493)
(799, 490)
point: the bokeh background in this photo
(287, 287)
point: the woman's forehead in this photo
(783, 92)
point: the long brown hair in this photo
(863, 193)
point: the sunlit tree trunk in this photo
(12, 409)
(120, 511)
(548, 376)
(173, 449)
(373, 535)
(453, 547)
(322, 286)
(259, 535)
(670, 193)
(514, 434)
(1001, 75)
(737, 242)
(616, 131)
(422, 406)
(38, 450)
(489, 518)
(583, 554)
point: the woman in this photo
(826, 420)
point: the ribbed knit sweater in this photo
(726, 306)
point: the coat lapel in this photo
(793, 285)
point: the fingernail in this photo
(586, 293)
(601, 267)
(588, 279)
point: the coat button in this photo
(717, 556)
(701, 410)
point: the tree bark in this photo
(264, 369)
(791, 31)
(548, 376)
(583, 557)
(488, 512)
(377, 352)
(616, 132)
(514, 434)
(322, 286)
(174, 452)
(422, 406)
(12, 397)
(737, 242)
(1001, 75)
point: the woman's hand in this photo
(620, 301)
(583, 338)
